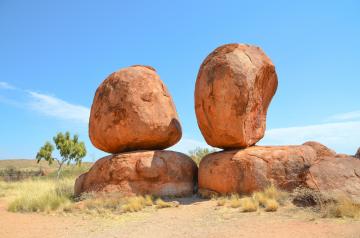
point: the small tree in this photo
(70, 149)
(200, 153)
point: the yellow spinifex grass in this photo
(271, 205)
(135, 204)
(343, 207)
(162, 204)
(235, 201)
(248, 204)
(270, 198)
(40, 195)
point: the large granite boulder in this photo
(160, 173)
(357, 155)
(310, 165)
(233, 90)
(336, 177)
(254, 168)
(133, 110)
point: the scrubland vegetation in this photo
(271, 199)
(47, 194)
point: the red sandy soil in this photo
(193, 219)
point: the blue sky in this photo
(54, 54)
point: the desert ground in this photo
(193, 218)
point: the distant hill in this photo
(28, 164)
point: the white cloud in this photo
(55, 107)
(344, 137)
(355, 115)
(5, 85)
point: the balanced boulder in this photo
(159, 173)
(133, 110)
(233, 90)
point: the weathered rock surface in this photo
(234, 87)
(160, 173)
(321, 150)
(336, 176)
(357, 155)
(255, 168)
(133, 110)
(311, 165)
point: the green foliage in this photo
(69, 148)
(46, 153)
(199, 153)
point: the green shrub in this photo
(199, 153)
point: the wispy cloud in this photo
(348, 116)
(341, 136)
(58, 108)
(5, 85)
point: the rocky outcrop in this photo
(321, 150)
(336, 176)
(357, 155)
(234, 87)
(310, 165)
(160, 173)
(133, 110)
(255, 168)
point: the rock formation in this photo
(357, 155)
(160, 173)
(133, 110)
(234, 87)
(255, 168)
(311, 165)
(321, 150)
(133, 116)
(336, 176)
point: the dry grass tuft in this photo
(343, 207)
(235, 201)
(149, 200)
(41, 195)
(261, 198)
(112, 203)
(248, 204)
(162, 204)
(271, 205)
(270, 198)
(134, 204)
(221, 201)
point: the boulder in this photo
(357, 155)
(233, 90)
(133, 110)
(160, 173)
(254, 168)
(321, 150)
(336, 176)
